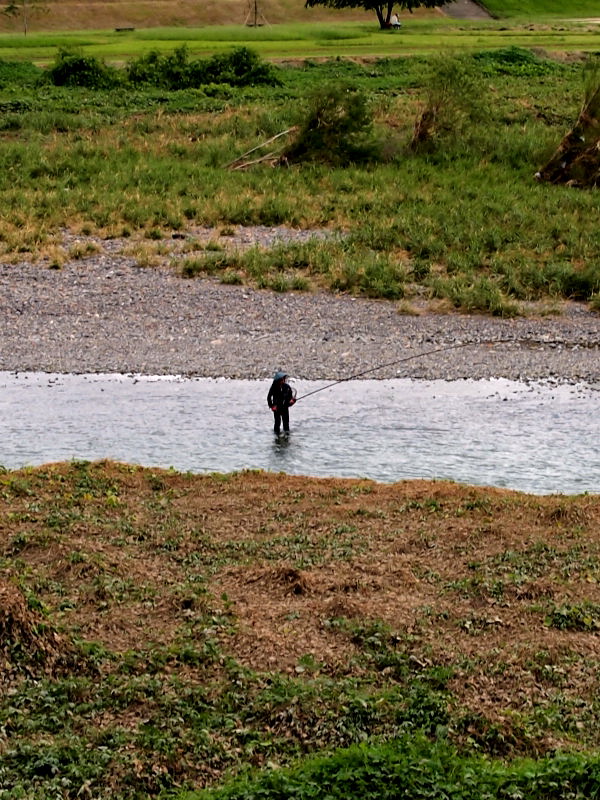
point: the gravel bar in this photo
(105, 314)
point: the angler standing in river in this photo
(279, 399)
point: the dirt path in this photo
(466, 9)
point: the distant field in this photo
(64, 15)
(302, 40)
(543, 8)
(108, 14)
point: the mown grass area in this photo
(536, 9)
(460, 221)
(309, 40)
(163, 633)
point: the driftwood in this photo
(239, 163)
(270, 157)
(576, 161)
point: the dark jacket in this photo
(280, 395)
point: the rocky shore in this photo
(105, 313)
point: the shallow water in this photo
(535, 438)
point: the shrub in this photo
(72, 68)
(172, 71)
(455, 97)
(240, 67)
(336, 129)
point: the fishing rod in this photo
(455, 346)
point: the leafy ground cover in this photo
(454, 218)
(167, 632)
(534, 9)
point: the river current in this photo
(538, 438)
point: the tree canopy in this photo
(382, 9)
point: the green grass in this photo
(306, 40)
(463, 219)
(71, 156)
(540, 9)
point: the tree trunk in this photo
(390, 8)
(384, 21)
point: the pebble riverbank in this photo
(104, 313)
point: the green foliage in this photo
(18, 73)
(413, 768)
(583, 617)
(171, 71)
(336, 128)
(73, 68)
(455, 99)
(514, 60)
(239, 67)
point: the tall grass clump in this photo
(336, 129)
(455, 100)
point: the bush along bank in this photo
(174, 71)
(424, 165)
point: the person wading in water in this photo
(280, 398)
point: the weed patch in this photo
(151, 156)
(158, 638)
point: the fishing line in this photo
(455, 346)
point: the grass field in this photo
(305, 40)
(158, 636)
(265, 636)
(540, 9)
(462, 222)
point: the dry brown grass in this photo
(108, 14)
(291, 554)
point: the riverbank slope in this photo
(105, 313)
(161, 630)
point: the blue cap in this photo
(279, 375)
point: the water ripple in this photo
(532, 437)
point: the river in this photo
(538, 438)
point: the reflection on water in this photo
(535, 438)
